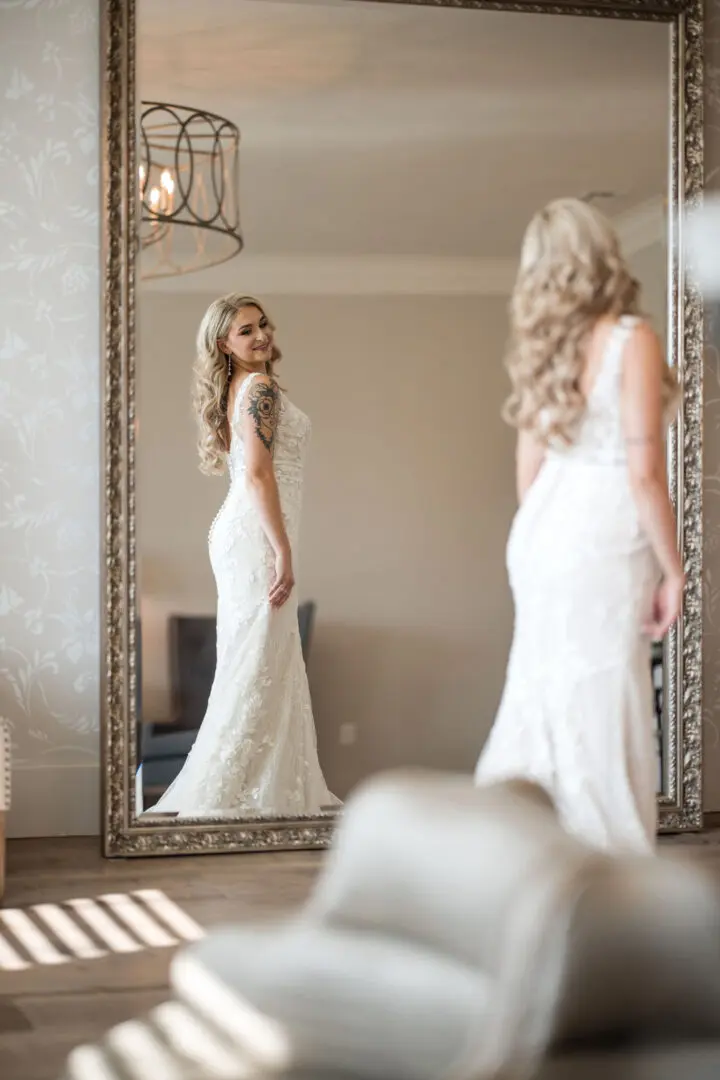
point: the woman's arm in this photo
(259, 418)
(642, 416)
(529, 457)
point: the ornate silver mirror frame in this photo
(680, 807)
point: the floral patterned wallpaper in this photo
(49, 408)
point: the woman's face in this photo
(250, 339)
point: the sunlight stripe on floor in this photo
(32, 939)
(88, 928)
(192, 1038)
(142, 1054)
(132, 915)
(106, 928)
(89, 1063)
(172, 915)
(9, 959)
(68, 932)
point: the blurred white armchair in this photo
(460, 934)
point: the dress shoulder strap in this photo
(617, 339)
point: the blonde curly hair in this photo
(572, 273)
(212, 378)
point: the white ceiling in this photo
(380, 129)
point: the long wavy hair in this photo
(212, 378)
(572, 273)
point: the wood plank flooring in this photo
(47, 1010)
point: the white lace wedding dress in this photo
(577, 711)
(255, 753)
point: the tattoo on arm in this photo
(263, 406)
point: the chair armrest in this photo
(434, 859)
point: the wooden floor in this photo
(47, 1010)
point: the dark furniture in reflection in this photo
(658, 680)
(192, 659)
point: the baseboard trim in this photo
(54, 800)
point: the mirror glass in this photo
(389, 159)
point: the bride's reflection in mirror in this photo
(255, 753)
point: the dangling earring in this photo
(230, 366)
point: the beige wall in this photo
(408, 501)
(650, 268)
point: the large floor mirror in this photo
(365, 169)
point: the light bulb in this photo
(167, 181)
(154, 198)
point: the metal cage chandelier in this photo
(188, 188)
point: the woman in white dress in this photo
(592, 554)
(255, 753)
